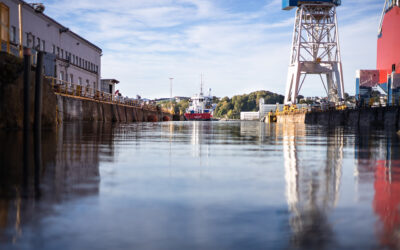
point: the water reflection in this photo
(201, 185)
(378, 162)
(69, 169)
(312, 186)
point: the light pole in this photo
(170, 88)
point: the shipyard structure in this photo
(386, 76)
(316, 50)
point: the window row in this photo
(75, 60)
(38, 44)
(70, 78)
(32, 41)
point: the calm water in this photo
(201, 185)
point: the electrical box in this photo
(290, 4)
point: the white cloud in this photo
(145, 42)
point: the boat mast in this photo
(201, 84)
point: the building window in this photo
(13, 34)
(62, 54)
(87, 83)
(71, 78)
(80, 81)
(58, 51)
(73, 59)
(43, 45)
(38, 43)
(80, 62)
(33, 41)
(61, 77)
(66, 77)
(28, 40)
(54, 49)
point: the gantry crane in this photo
(315, 48)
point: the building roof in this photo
(62, 26)
(111, 80)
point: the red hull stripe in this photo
(198, 116)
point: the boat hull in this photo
(198, 116)
(388, 44)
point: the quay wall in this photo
(75, 109)
(387, 117)
(58, 108)
(11, 96)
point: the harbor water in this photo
(200, 185)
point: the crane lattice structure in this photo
(315, 48)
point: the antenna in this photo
(170, 88)
(201, 84)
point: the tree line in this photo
(230, 108)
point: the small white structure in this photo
(249, 116)
(108, 85)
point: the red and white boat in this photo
(201, 107)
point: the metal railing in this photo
(81, 92)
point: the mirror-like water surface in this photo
(201, 185)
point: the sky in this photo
(239, 46)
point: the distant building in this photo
(175, 98)
(70, 57)
(108, 85)
(249, 116)
(181, 98)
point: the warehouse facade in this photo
(69, 58)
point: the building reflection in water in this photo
(378, 162)
(312, 185)
(201, 139)
(69, 170)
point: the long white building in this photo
(69, 57)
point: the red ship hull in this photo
(198, 116)
(388, 44)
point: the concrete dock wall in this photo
(74, 109)
(59, 108)
(387, 117)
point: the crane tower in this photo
(315, 48)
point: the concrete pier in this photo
(387, 117)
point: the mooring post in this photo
(27, 81)
(26, 121)
(38, 92)
(38, 124)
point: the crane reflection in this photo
(312, 185)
